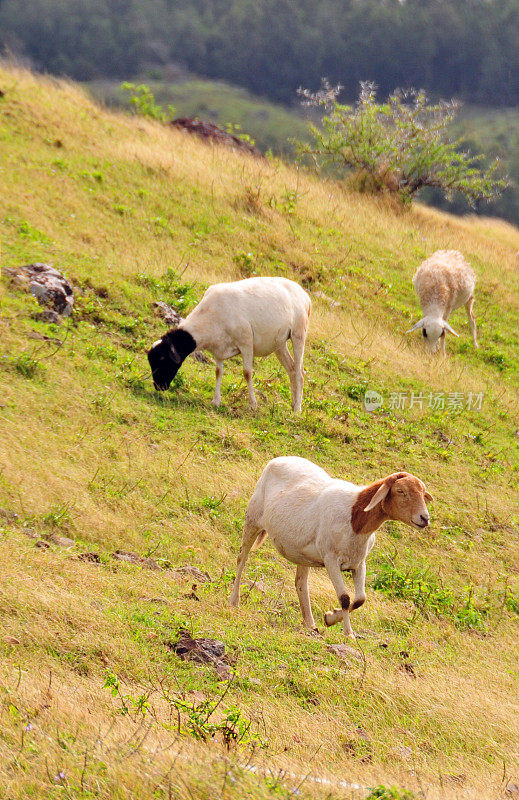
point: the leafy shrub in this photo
(142, 100)
(233, 727)
(400, 146)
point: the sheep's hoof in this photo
(233, 602)
(315, 632)
(329, 618)
(216, 403)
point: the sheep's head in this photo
(433, 329)
(166, 356)
(402, 497)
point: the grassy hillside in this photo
(270, 124)
(94, 702)
(490, 131)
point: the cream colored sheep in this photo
(443, 282)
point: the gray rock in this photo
(48, 285)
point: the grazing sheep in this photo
(443, 282)
(317, 521)
(254, 317)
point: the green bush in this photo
(400, 146)
(142, 100)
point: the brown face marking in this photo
(393, 506)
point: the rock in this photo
(345, 651)
(134, 558)
(11, 640)
(61, 541)
(49, 286)
(42, 544)
(211, 132)
(167, 313)
(173, 318)
(193, 572)
(202, 651)
(93, 557)
(49, 316)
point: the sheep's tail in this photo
(259, 540)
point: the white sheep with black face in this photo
(443, 282)
(253, 317)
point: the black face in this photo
(164, 366)
(167, 356)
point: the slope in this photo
(95, 703)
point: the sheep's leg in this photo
(304, 596)
(359, 581)
(217, 399)
(250, 534)
(472, 320)
(248, 363)
(287, 362)
(334, 571)
(298, 343)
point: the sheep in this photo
(254, 317)
(443, 282)
(315, 520)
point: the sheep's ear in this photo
(378, 496)
(416, 326)
(447, 327)
(428, 496)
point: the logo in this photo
(372, 400)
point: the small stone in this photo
(8, 514)
(193, 572)
(345, 651)
(134, 558)
(42, 544)
(61, 541)
(93, 557)
(512, 790)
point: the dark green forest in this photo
(463, 48)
